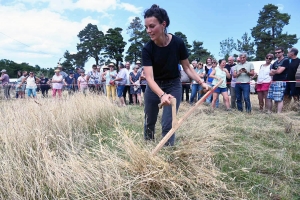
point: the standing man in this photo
(292, 65)
(228, 66)
(5, 83)
(242, 72)
(127, 86)
(121, 80)
(277, 87)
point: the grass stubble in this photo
(87, 148)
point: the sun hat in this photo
(138, 62)
(57, 70)
(3, 70)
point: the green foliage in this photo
(226, 47)
(79, 59)
(114, 44)
(198, 52)
(184, 38)
(268, 34)
(92, 42)
(12, 68)
(246, 46)
(138, 38)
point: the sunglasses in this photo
(214, 63)
(278, 52)
(269, 58)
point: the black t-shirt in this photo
(292, 68)
(43, 82)
(164, 60)
(228, 67)
(282, 76)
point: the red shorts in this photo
(262, 87)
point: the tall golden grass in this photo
(79, 148)
(87, 148)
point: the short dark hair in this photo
(279, 48)
(220, 61)
(94, 66)
(159, 13)
(294, 50)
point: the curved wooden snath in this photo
(175, 124)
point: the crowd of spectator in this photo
(276, 82)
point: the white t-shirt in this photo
(263, 74)
(30, 83)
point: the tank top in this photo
(222, 75)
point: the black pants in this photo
(186, 90)
(127, 90)
(44, 91)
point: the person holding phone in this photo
(242, 72)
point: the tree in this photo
(74, 60)
(184, 38)
(92, 42)
(268, 34)
(12, 68)
(198, 52)
(226, 47)
(114, 44)
(246, 46)
(139, 38)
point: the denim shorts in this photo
(31, 91)
(220, 90)
(120, 90)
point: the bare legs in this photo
(262, 99)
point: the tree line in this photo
(110, 47)
(267, 35)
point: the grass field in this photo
(87, 148)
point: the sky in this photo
(38, 32)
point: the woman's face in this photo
(268, 59)
(154, 28)
(208, 61)
(223, 63)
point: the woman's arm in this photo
(191, 73)
(227, 73)
(212, 75)
(164, 98)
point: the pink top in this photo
(82, 82)
(59, 85)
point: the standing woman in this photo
(57, 83)
(135, 89)
(82, 82)
(110, 75)
(220, 73)
(161, 56)
(264, 82)
(31, 84)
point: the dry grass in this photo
(87, 148)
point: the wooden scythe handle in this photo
(180, 121)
